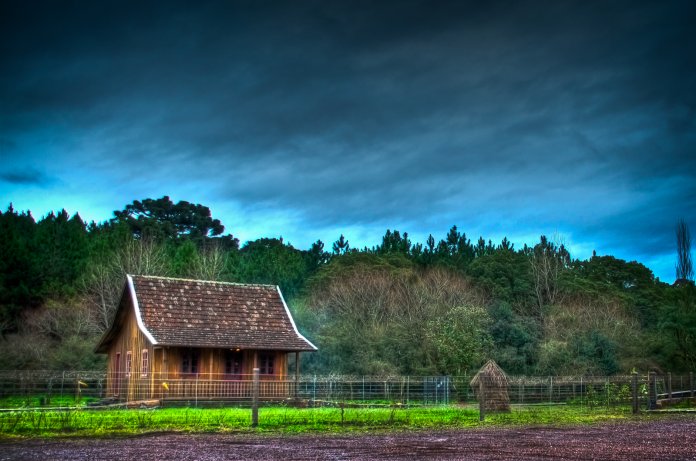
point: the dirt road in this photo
(663, 439)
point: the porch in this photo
(202, 386)
(216, 387)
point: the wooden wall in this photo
(133, 386)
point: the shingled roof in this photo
(196, 313)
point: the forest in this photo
(438, 307)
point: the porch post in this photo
(165, 362)
(297, 372)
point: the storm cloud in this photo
(307, 119)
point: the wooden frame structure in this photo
(178, 338)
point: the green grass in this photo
(42, 400)
(81, 422)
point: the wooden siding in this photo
(129, 386)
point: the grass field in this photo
(38, 401)
(82, 422)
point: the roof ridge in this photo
(180, 279)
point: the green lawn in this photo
(38, 401)
(82, 422)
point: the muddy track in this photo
(663, 439)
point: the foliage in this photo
(507, 276)
(460, 338)
(275, 262)
(408, 320)
(685, 268)
(162, 218)
(441, 306)
(516, 339)
(678, 325)
(19, 274)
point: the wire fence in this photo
(69, 388)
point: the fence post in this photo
(669, 386)
(255, 399)
(447, 390)
(482, 398)
(550, 389)
(691, 384)
(297, 374)
(652, 391)
(634, 392)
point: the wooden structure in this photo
(490, 385)
(176, 338)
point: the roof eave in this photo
(138, 317)
(292, 321)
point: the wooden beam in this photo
(297, 372)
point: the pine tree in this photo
(684, 267)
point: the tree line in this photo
(441, 306)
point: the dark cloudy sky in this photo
(308, 119)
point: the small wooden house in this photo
(176, 338)
(490, 386)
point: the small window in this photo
(266, 363)
(145, 364)
(129, 363)
(189, 361)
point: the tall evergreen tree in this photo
(685, 269)
(61, 248)
(19, 276)
(341, 246)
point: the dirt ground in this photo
(661, 439)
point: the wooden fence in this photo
(44, 387)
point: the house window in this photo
(129, 363)
(233, 364)
(189, 361)
(145, 364)
(266, 363)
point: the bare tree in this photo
(684, 267)
(143, 257)
(548, 261)
(102, 287)
(211, 262)
(380, 320)
(103, 283)
(58, 319)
